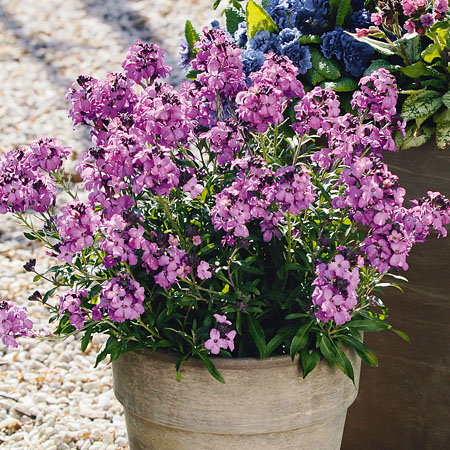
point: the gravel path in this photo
(51, 397)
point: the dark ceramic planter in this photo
(404, 403)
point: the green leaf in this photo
(86, 339)
(327, 349)
(421, 105)
(300, 339)
(295, 316)
(309, 360)
(29, 236)
(211, 368)
(413, 47)
(344, 363)
(191, 36)
(233, 19)
(416, 70)
(414, 137)
(314, 77)
(180, 360)
(363, 351)
(402, 334)
(275, 342)
(37, 278)
(257, 333)
(432, 52)
(379, 46)
(342, 12)
(442, 116)
(258, 20)
(344, 84)
(446, 99)
(191, 74)
(309, 39)
(216, 4)
(368, 325)
(443, 135)
(328, 68)
(378, 64)
(334, 4)
(47, 295)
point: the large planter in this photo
(404, 404)
(264, 405)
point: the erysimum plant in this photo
(414, 38)
(212, 226)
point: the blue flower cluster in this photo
(297, 17)
(354, 54)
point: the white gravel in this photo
(51, 397)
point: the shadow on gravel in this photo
(121, 17)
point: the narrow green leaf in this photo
(180, 360)
(309, 360)
(368, 325)
(47, 295)
(191, 35)
(211, 368)
(402, 334)
(29, 236)
(258, 20)
(342, 12)
(327, 349)
(257, 333)
(344, 363)
(216, 4)
(275, 342)
(86, 339)
(300, 339)
(363, 351)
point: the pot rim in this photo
(219, 361)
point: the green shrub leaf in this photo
(211, 368)
(421, 105)
(300, 339)
(309, 360)
(342, 12)
(233, 19)
(258, 20)
(443, 135)
(257, 333)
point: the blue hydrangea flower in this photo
(264, 41)
(184, 51)
(355, 55)
(290, 47)
(283, 12)
(240, 35)
(359, 19)
(313, 16)
(252, 60)
(357, 5)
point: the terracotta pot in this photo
(404, 404)
(265, 404)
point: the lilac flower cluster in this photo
(23, 181)
(13, 323)
(76, 227)
(273, 86)
(145, 62)
(121, 298)
(221, 336)
(335, 289)
(260, 193)
(71, 305)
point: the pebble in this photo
(51, 397)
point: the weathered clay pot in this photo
(264, 405)
(404, 404)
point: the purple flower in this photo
(427, 20)
(121, 298)
(13, 323)
(204, 270)
(145, 62)
(71, 305)
(215, 343)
